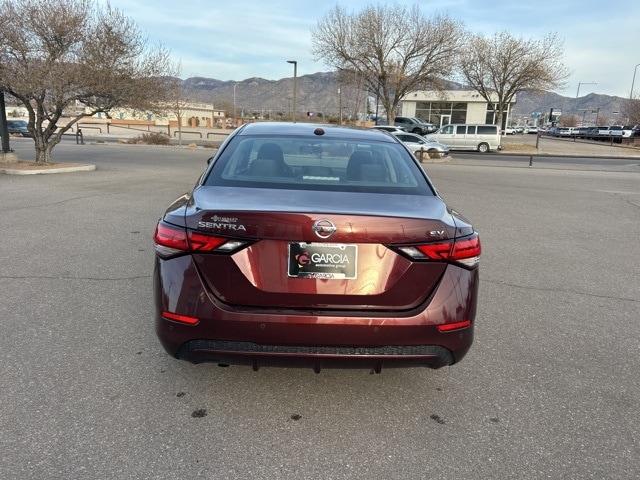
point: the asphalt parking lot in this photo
(550, 389)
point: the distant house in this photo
(452, 106)
(191, 115)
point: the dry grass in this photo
(518, 147)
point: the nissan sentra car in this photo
(319, 246)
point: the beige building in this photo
(191, 115)
(452, 106)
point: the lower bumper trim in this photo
(247, 353)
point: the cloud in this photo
(238, 40)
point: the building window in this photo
(492, 115)
(433, 112)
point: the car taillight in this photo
(171, 241)
(465, 251)
(199, 242)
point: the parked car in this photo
(628, 130)
(509, 131)
(612, 133)
(389, 128)
(18, 128)
(431, 127)
(533, 130)
(616, 130)
(482, 138)
(558, 131)
(415, 125)
(417, 143)
(585, 132)
(343, 256)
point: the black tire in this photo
(483, 147)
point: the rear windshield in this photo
(309, 163)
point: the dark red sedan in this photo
(315, 245)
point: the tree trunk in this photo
(43, 151)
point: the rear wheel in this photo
(433, 153)
(483, 147)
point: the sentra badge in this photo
(223, 223)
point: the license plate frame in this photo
(328, 261)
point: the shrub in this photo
(152, 138)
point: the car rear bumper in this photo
(226, 334)
(245, 353)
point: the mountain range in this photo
(321, 93)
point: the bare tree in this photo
(391, 49)
(179, 99)
(501, 66)
(632, 111)
(225, 104)
(56, 54)
(351, 95)
(568, 121)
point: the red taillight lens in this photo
(171, 241)
(171, 237)
(465, 251)
(437, 251)
(200, 242)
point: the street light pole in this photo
(295, 88)
(578, 92)
(234, 102)
(631, 93)
(633, 81)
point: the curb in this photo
(446, 159)
(628, 155)
(40, 171)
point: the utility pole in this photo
(4, 132)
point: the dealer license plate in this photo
(322, 260)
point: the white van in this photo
(482, 138)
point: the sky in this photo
(236, 40)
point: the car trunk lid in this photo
(334, 259)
